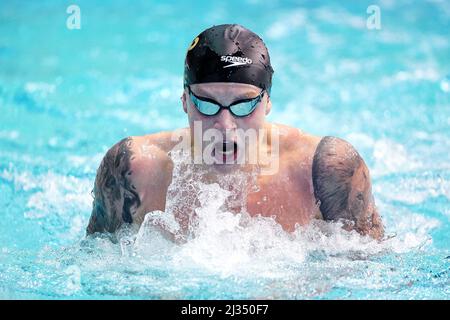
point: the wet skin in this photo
(317, 178)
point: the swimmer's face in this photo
(226, 93)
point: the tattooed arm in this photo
(115, 197)
(131, 181)
(343, 189)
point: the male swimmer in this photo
(227, 87)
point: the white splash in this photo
(392, 157)
(234, 244)
(54, 196)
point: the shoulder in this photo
(165, 140)
(342, 186)
(130, 181)
(337, 158)
(295, 142)
(336, 162)
(112, 185)
(145, 159)
(335, 152)
(296, 151)
(134, 153)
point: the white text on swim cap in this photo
(235, 61)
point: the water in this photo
(67, 95)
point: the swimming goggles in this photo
(240, 108)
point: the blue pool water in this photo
(67, 95)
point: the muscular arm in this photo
(343, 189)
(115, 197)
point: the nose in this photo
(224, 120)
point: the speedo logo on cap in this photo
(235, 61)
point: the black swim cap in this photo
(228, 53)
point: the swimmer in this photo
(227, 89)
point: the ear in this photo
(183, 100)
(268, 105)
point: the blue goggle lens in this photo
(240, 109)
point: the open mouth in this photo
(226, 151)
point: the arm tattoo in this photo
(115, 198)
(342, 185)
